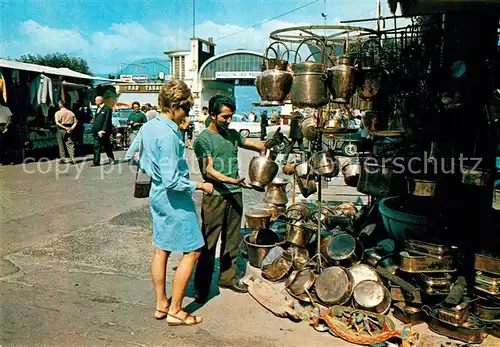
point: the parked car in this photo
(348, 144)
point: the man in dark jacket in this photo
(102, 131)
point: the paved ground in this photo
(74, 268)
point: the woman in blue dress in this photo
(175, 222)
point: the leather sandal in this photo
(186, 321)
(165, 314)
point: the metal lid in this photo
(255, 213)
(341, 246)
(362, 272)
(303, 281)
(333, 285)
(369, 294)
(276, 264)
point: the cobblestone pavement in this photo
(74, 268)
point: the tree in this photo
(57, 60)
(111, 77)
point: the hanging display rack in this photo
(330, 34)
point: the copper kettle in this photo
(274, 83)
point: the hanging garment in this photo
(57, 92)
(45, 91)
(63, 98)
(34, 86)
(74, 97)
(3, 88)
(15, 77)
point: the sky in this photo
(108, 34)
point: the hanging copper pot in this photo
(309, 82)
(371, 72)
(341, 80)
(274, 83)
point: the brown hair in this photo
(176, 94)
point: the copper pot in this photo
(325, 164)
(309, 82)
(256, 219)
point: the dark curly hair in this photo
(215, 104)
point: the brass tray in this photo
(472, 331)
(487, 262)
(337, 131)
(425, 264)
(427, 248)
(267, 103)
(389, 133)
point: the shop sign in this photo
(236, 74)
(140, 78)
(141, 88)
(126, 78)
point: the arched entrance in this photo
(223, 73)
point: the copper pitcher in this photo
(276, 192)
(262, 170)
(341, 80)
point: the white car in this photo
(248, 129)
(252, 129)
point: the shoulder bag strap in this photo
(138, 162)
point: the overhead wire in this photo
(267, 20)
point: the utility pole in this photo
(194, 18)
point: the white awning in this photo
(16, 65)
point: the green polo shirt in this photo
(137, 117)
(223, 148)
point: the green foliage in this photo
(111, 77)
(57, 60)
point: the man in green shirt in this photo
(135, 121)
(217, 151)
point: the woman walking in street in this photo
(175, 222)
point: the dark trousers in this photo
(263, 133)
(221, 215)
(289, 148)
(99, 143)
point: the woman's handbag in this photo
(142, 187)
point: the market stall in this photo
(425, 249)
(30, 92)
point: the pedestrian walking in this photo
(135, 120)
(296, 137)
(263, 125)
(66, 122)
(102, 128)
(175, 222)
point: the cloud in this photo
(43, 39)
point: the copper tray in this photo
(487, 283)
(487, 262)
(472, 331)
(421, 263)
(487, 310)
(389, 133)
(337, 131)
(427, 248)
(408, 314)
